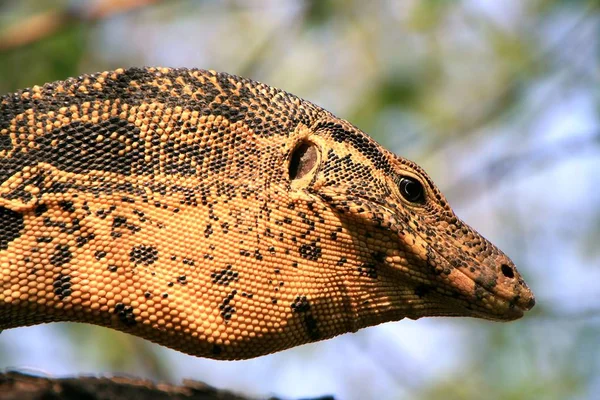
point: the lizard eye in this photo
(411, 190)
(303, 160)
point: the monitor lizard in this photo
(223, 218)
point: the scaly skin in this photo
(223, 218)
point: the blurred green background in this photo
(498, 100)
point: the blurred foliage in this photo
(500, 102)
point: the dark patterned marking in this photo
(113, 268)
(62, 255)
(62, 286)
(44, 239)
(225, 276)
(227, 309)
(120, 221)
(310, 251)
(99, 254)
(5, 142)
(125, 314)
(182, 280)
(216, 349)
(379, 257)
(422, 290)
(143, 254)
(11, 226)
(368, 269)
(82, 240)
(358, 140)
(225, 227)
(80, 152)
(301, 305)
(208, 231)
(67, 206)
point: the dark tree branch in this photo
(19, 386)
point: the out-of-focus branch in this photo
(501, 106)
(43, 25)
(18, 386)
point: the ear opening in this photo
(303, 159)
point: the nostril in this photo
(507, 271)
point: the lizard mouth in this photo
(472, 297)
(482, 302)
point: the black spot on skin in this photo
(310, 251)
(216, 349)
(44, 239)
(62, 286)
(301, 305)
(225, 227)
(143, 254)
(119, 222)
(84, 239)
(422, 290)
(182, 280)
(368, 269)
(67, 206)
(227, 309)
(99, 254)
(208, 231)
(125, 314)
(225, 276)
(62, 255)
(113, 268)
(379, 257)
(11, 226)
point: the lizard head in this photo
(412, 256)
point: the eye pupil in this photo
(411, 190)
